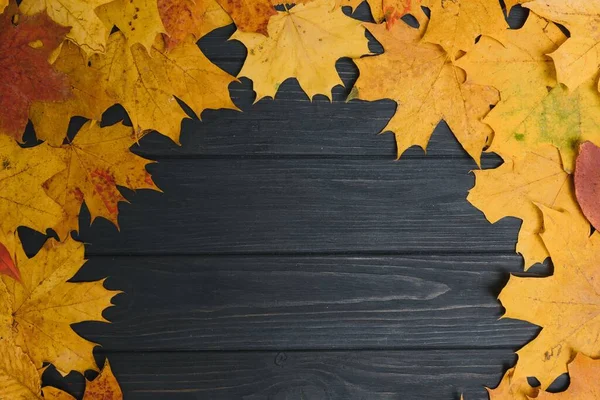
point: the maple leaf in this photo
(249, 15)
(87, 30)
(583, 385)
(512, 389)
(304, 42)
(566, 305)
(25, 74)
(514, 189)
(97, 160)
(23, 201)
(19, 378)
(7, 264)
(535, 109)
(190, 17)
(376, 7)
(426, 87)
(103, 387)
(511, 3)
(587, 182)
(146, 84)
(455, 24)
(45, 305)
(578, 58)
(138, 20)
(394, 10)
(89, 99)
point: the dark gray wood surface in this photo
(291, 257)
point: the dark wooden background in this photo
(291, 257)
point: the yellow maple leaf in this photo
(146, 84)
(576, 60)
(566, 305)
(426, 87)
(103, 387)
(511, 3)
(394, 10)
(535, 109)
(3, 5)
(512, 389)
(44, 306)
(23, 201)
(376, 7)
(87, 30)
(455, 24)
(89, 99)
(19, 379)
(138, 20)
(97, 160)
(303, 43)
(514, 189)
(190, 17)
(583, 381)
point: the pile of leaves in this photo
(530, 95)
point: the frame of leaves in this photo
(458, 65)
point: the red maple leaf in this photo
(25, 73)
(7, 265)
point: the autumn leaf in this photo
(7, 265)
(535, 109)
(98, 160)
(146, 84)
(3, 5)
(26, 75)
(249, 15)
(516, 188)
(138, 20)
(103, 387)
(583, 385)
(512, 389)
(89, 99)
(394, 10)
(576, 60)
(376, 7)
(427, 88)
(23, 201)
(511, 3)
(565, 305)
(87, 30)
(303, 43)
(455, 24)
(587, 182)
(190, 17)
(19, 378)
(45, 305)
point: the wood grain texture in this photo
(309, 205)
(291, 125)
(240, 303)
(367, 375)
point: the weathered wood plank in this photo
(233, 303)
(380, 375)
(308, 205)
